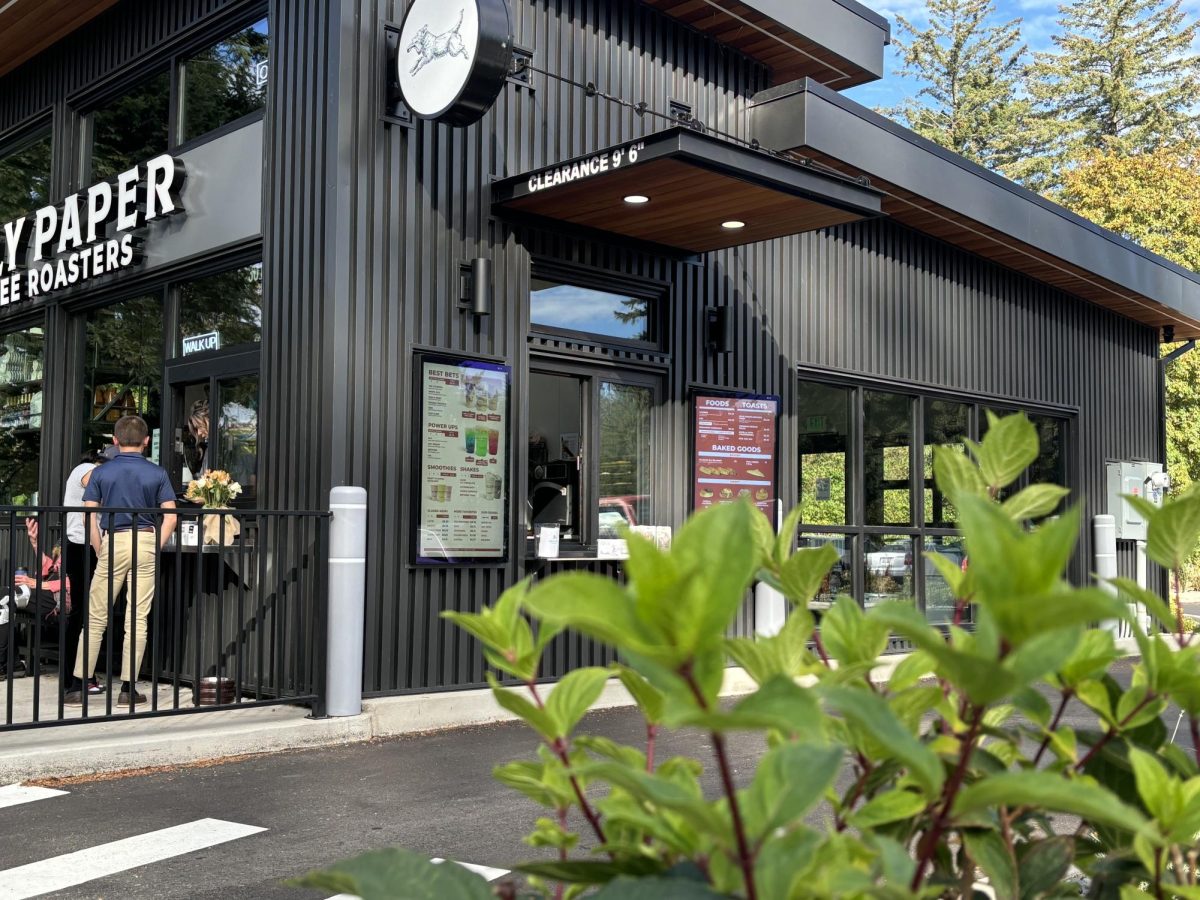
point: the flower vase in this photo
(211, 526)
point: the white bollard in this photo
(1104, 531)
(347, 601)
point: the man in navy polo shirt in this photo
(129, 550)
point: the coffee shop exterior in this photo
(639, 257)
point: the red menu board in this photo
(735, 450)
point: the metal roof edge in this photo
(825, 139)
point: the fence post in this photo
(347, 600)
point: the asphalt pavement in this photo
(238, 829)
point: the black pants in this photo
(79, 563)
(40, 614)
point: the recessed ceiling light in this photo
(637, 199)
(733, 224)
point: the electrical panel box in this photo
(1135, 479)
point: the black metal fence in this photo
(185, 610)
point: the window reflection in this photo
(575, 308)
(947, 424)
(237, 431)
(25, 177)
(226, 81)
(229, 303)
(122, 367)
(132, 128)
(887, 455)
(21, 358)
(839, 580)
(940, 603)
(625, 464)
(824, 447)
(555, 453)
(888, 563)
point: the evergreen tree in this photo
(971, 68)
(1124, 78)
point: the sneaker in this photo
(93, 686)
(73, 698)
(17, 672)
(123, 698)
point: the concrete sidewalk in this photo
(86, 749)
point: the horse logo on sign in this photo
(429, 46)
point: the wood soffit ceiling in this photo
(931, 218)
(788, 54)
(691, 195)
(27, 27)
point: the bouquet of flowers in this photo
(215, 490)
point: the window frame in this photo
(25, 136)
(592, 375)
(856, 531)
(589, 278)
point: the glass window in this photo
(887, 455)
(237, 431)
(574, 308)
(840, 579)
(225, 81)
(625, 466)
(947, 424)
(888, 574)
(132, 128)
(123, 368)
(940, 604)
(25, 177)
(824, 448)
(1050, 467)
(229, 303)
(556, 453)
(21, 357)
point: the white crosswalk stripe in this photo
(70, 869)
(486, 871)
(16, 794)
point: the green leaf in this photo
(911, 669)
(648, 698)
(785, 653)
(892, 806)
(659, 791)
(592, 871)
(1153, 784)
(782, 859)
(990, 853)
(530, 778)
(791, 778)
(396, 874)
(656, 889)
(1094, 696)
(801, 575)
(780, 703)
(591, 604)
(1043, 865)
(851, 637)
(1053, 793)
(506, 637)
(1174, 530)
(869, 711)
(1041, 654)
(955, 474)
(1092, 656)
(951, 572)
(1034, 502)
(1155, 605)
(787, 535)
(1008, 448)
(1035, 706)
(573, 696)
(537, 719)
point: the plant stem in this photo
(865, 770)
(745, 856)
(928, 845)
(821, 648)
(1194, 727)
(1114, 731)
(1067, 694)
(560, 748)
(562, 851)
(651, 734)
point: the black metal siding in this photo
(366, 226)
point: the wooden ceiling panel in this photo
(27, 27)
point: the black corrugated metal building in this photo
(818, 285)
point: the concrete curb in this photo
(72, 750)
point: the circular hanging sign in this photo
(454, 58)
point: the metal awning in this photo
(27, 27)
(686, 191)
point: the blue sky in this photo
(1039, 23)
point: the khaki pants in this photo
(125, 564)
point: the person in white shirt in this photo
(79, 561)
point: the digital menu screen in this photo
(463, 461)
(734, 440)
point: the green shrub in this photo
(962, 771)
